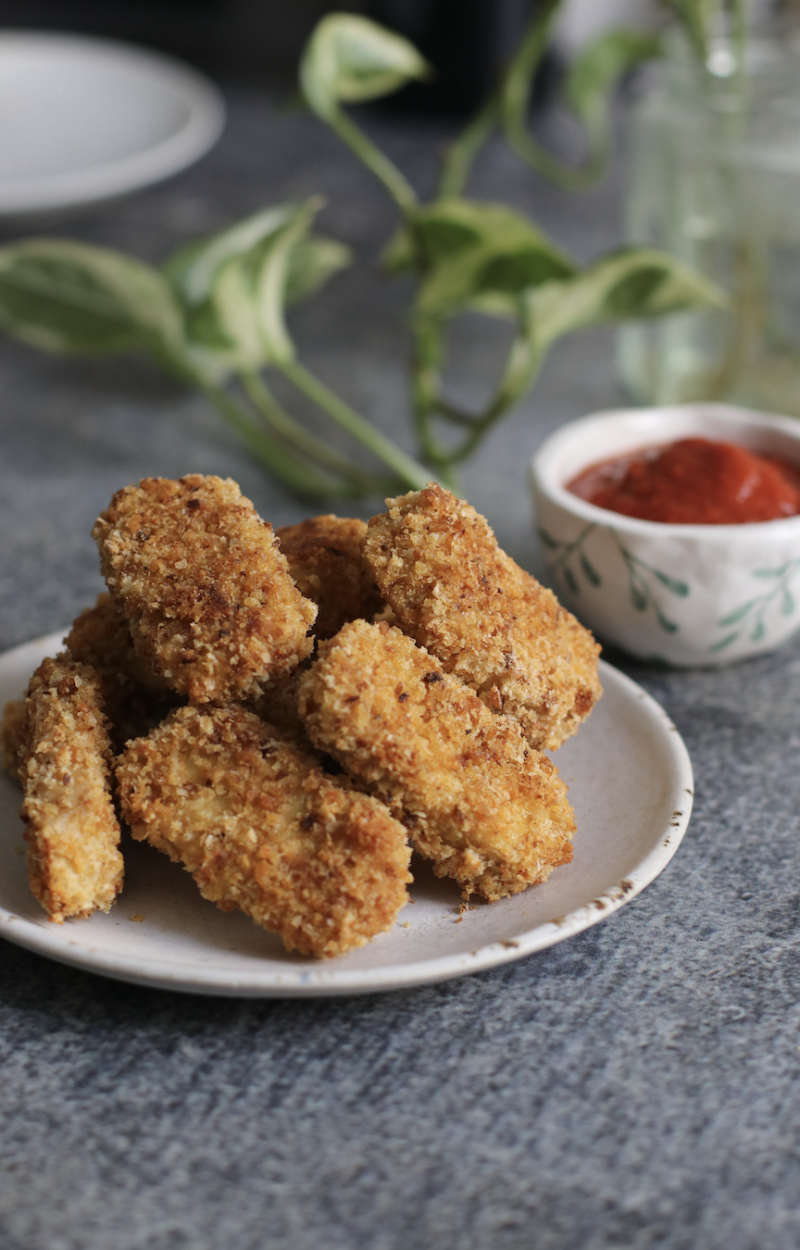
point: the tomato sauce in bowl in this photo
(693, 481)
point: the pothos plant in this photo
(214, 313)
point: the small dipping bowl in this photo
(685, 595)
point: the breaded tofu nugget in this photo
(262, 828)
(325, 560)
(204, 587)
(454, 591)
(74, 862)
(485, 807)
(12, 733)
(135, 698)
(278, 705)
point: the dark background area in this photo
(261, 40)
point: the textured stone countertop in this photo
(637, 1085)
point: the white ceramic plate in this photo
(630, 782)
(83, 120)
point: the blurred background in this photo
(260, 40)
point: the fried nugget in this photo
(278, 705)
(74, 862)
(485, 807)
(12, 735)
(135, 698)
(204, 586)
(438, 564)
(325, 560)
(261, 828)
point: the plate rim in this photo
(323, 979)
(115, 178)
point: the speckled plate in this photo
(630, 782)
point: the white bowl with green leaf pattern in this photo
(687, 595)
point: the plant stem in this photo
(395, 183)
(515, 95)
(282, 463)
(461, 154)
(738, 33)
(410, 473)
(304, 442)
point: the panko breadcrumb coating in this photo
(325, 560)
(74, 863)
(204, 586)
(12, 733)
(261, 828)
(278, 705)
(135, 698)
(455, 592)
(477, 800)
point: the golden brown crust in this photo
(12, 734)
(74, 863)
(261, 828)
(454, 591)
(204, 586)
(135, 698)
(325, 560)
(278, 705)
(477, 800)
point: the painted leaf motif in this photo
(591, 573)
(569, 578)
(548, 540)
(738, 614)
(788, 603)
(724, 642)
(666, 624)
(758, 632)
(672, 584)
(769, 574)
(638, 596)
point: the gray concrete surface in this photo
(635, 1086)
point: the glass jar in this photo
(714, 178)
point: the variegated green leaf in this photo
(193, 269)
(635, 282)
(240, 324)
(597, 69)
(480, 255)
(350, 58)
(312, 262)
(64, 296)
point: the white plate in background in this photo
(630, 782)
(84, 120)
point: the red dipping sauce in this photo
(693, 481)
